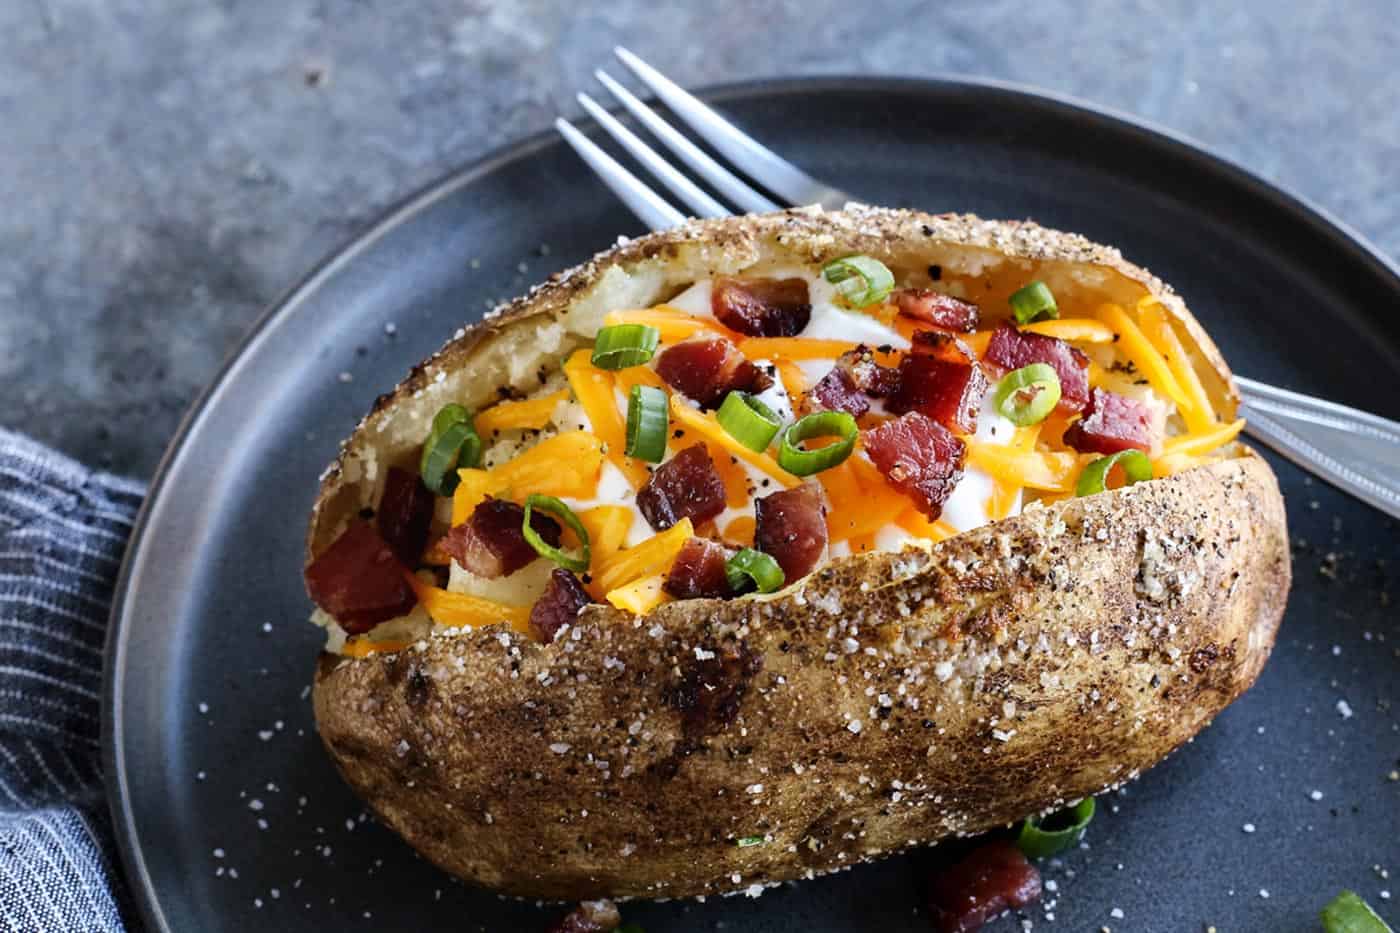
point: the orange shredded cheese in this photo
(1136, 347)
(673, 323)
(473, 485)
(563, 465)
(1194, 444)
(364, 647)
(918, 525)
(594, 389)
(530, 413)
(978, 342)
(860, 501)
(607, 527)
(1048, 470)
(461, 610)
(640, 596)
(739, 532)
(735, 479)
(1198, 414)
(709, 429)
(1072, 329)
(651, 557)
(793, 378)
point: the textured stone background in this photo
(167, 167)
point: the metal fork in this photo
(1356, 451)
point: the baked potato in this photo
(680, 685)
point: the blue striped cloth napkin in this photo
(63, 529)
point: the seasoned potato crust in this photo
(886, 701)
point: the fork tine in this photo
(651, 208)
(679, 185)
(722, 179)
(754, 159)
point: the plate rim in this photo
(140, 884)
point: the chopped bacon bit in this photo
(1011, 349)
(404, 515)
(491, 543)
(589, 917)
(1112, 423)
(686, 486)
(698, 571)
(992, 878)
(359, 581)
(706, 369)
(920, 457)
(940, 310)
(791, 526)
(941, 379)
(558, 606)
(852, 381)
(761, 307)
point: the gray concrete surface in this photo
(167, 167)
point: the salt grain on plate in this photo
(1315, 795)
(1344, 709)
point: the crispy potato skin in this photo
(1005, 671)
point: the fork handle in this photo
(1353, 450)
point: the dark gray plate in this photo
(211, 607)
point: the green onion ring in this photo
(1027, 395)
(1039, 837)
(648, 423)
(860, 280)
(1136, 468)
(1348, 913)
(624, 345)
(452, 443)
(559, 510)
(751, 566)
(800, 462)
(1033, 302)
(748, 420)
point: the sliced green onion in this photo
(744, 842)
(1027, 395)
(648, 423)
(1056, 832)
(748, 420)
(624, 345)
(452, 443)
(1033, 302)
(1136, 468)
(800, 462)
(1348, 913)
(753, 567)
(860, 280)
(551, 505)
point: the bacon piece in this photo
(698, 571)
(1112, 423)
(1011, 349)
(558, 606)
(706, 369)
(404, 515)
(761, 307)
(686, 486)
(359, 581)
(920, 458)
(491, 543)
(940, 378)
(589, 917)
(791, 526)
(940, 310)
(990, 879)
(854, 379)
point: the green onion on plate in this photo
(1040, 837)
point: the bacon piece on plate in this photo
(920, 458)
(491, 543)
(940, 378)
(359, 581)
(698, 571)
(404, 514)
(942, 311)
(706, 369)
(993, 878)
(761, 307)
(1011, 349)
(852, 382)
(686, 486)
(791, 527)
(1112, 423)
(589, 917)
(558, 606)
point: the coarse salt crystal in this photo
(559, 748)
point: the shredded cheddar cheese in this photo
(1198, 413)
(674, 324)
(653, 556)
(532, 413)
(1194, 445)
(594, 390)
(362, 647)
(1136, 347)
(460, 610)
(709, 430)
(564, 465)
(1074, 330)
(640, 596)
(1051, 471)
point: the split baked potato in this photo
(972, 632)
